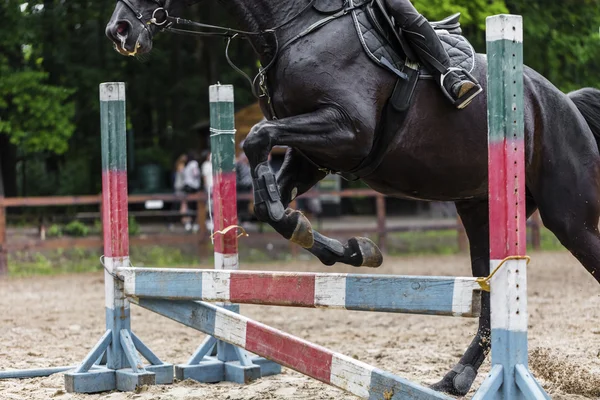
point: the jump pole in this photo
(509, 378)
(215, 360)
(123, 368)
(424, 295)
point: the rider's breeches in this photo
(420, 34)
(405, 13)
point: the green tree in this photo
(561, 40)
(35, 116)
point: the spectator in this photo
(178, 185)
(207, 181)
(191, 181)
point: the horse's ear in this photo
(329, 6)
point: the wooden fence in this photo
(381, 230)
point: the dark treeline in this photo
(53, 56)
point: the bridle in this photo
(159, 16)
(161, 19)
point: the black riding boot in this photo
(426, 43)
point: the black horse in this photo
(329, 99)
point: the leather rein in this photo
(161, 19)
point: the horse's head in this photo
(134, 23)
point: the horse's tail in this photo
(587, 101)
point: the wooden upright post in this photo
(509, 378)
(124, 369)
(216, 360)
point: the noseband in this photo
(160, 15)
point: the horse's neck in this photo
(257, 15)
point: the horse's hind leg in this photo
(570, 207)
(458, 381)
(297, 176)
(475, 218)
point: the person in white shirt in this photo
(207, 176)
(191, 175)
(207, 180)
(179, 184)
(191, 184)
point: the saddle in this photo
(386, 47)
(383, 42)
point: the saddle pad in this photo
(373, 43)
(462, 54)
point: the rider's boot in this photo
(426, 43)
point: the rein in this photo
(230, 34)
(160, 18)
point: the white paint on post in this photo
(330, 290)
(227, 261)
(504, 27)
(112, 91)
(508, 296)
(220, 93)
(114, 296)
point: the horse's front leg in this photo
(325, 131)
(298, 175)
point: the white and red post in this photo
(215, 360)
(114, 363)
(510, 378)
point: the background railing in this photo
(381, 230)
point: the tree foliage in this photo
(562, 40)
(37, 116)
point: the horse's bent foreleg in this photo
(297, 176)
(316, 131)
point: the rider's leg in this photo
(426, 43)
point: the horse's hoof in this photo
(369, 253)
(457, 382)
(303, 233)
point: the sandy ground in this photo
(55, 321)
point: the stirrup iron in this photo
(461, 102)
